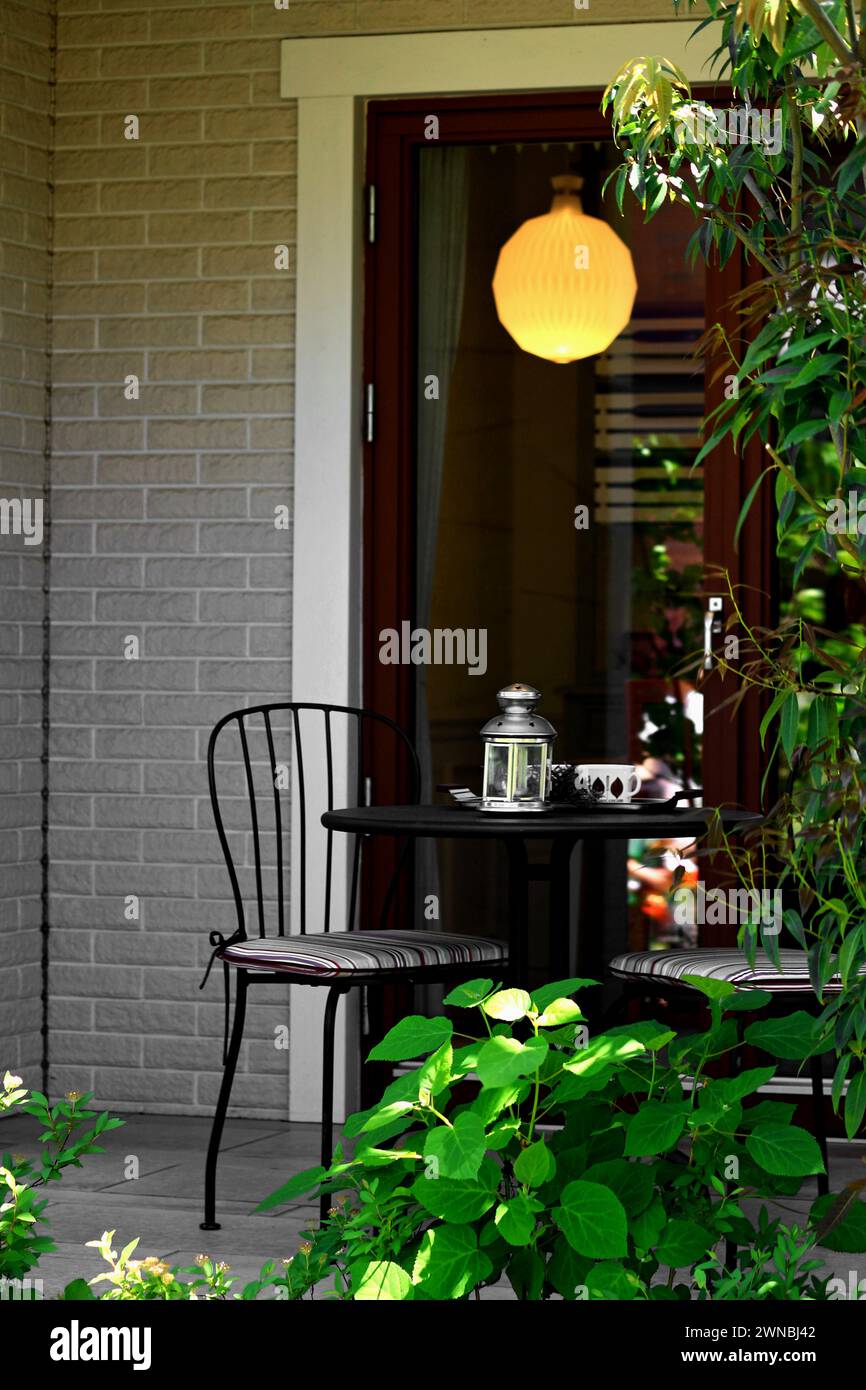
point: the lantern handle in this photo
(518, 698)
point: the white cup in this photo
(600, 778)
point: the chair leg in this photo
(817, 1070)
(735, 1060)
(210, 1222)
(735, 1066)
(334, 994)
(617, 1011)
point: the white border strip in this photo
(563, 57)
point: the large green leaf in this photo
(712, 988)
(789, 723)
(773, 1112)
(613, 1282)
(792, 1036)
(745, 1083)
(823, 365)
(683, 1243)
(775, 704)
(297, 1186)
(508, 1005)
(435, 1074)
(380, 1279)
(785, 1149)
(715, 1111)
(515, 1219)
(383, 1117)
(502, 1133)
(410, 1037)
(572, 1088)
(467, 995)
(840, 1076)
(449, 1263)
(801, 346)
(534, 1164)
(655, 1128)
(647, 1226)
(566, 1269)
(848, 1233)
(372, 1156)
(558, 989)
(750, 496)
(632, 1183)
(601, 1052)
(502, 1060)
(746, 999)
(458, 1201)
(649, 1032)
(855, 1103)
(763, 345)
(592, 1220)
(494, 1099)
(526, 1273)
(78, 1290)
(459, 1148)
(559, 1011)
(465, 1058)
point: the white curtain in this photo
(443, 216)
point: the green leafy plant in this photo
(66, 1137)
(154, 1280)
(586, 1167)
(779, 1267)
(794, 372)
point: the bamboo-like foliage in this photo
(790, 189)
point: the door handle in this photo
(712, 628)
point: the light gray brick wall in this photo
(164, 525)
(163, 269)
(25, 66)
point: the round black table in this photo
(563, 828)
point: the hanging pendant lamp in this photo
(564, 283)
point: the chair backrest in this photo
(266, 763)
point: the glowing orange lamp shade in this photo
(564, 283)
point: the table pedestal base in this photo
(556, 873)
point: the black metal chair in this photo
(337, 961)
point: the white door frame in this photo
(331, 78)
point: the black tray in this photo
(650, 803)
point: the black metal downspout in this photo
(45, 893)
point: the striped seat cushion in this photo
(658, 967)
(333, 954)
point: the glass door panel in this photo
(558, 513)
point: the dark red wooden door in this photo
(396, 132)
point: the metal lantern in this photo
(517, 753)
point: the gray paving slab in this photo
(302, 1143)
(246, 1181)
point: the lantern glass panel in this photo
(528, 772)
(496, 770)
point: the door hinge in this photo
(369, 413)
(371, 213)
